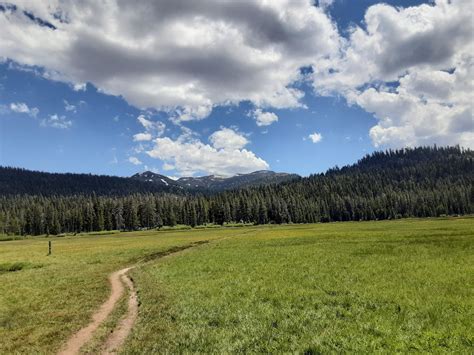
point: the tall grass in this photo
(364, 287)
(392, 286)
(44, 299)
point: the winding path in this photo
(83, 336)
(120, 333)
(118, 280)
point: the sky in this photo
(187, 88)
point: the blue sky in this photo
(73, 116)
(100, 139)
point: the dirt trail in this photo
(84, 335)
(117, 281)
(120, 333)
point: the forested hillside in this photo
(419, 182)
(16, 181)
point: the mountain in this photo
(217, 183)
(16, 181)
(412, 182)
(155, 179)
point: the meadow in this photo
(44, 299)
(390, 286)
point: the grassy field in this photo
(44, 299)
(357, 286)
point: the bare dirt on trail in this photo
(84, 335)
(118, 336)
(118, 281)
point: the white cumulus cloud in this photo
(315, 137)
(156, 128)
(152, 129)
(264, 118)
(189, 156)
(412, 68)
(21, 107)
(134, 161)
(140, 137)
(56, 121)
(151, 126)
(69, 107)
(174, 55)
(228, 139)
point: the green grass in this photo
(355, 287)
(104, 330)
(391, 286)
(17, 266)
(44, 299)
(5, 237)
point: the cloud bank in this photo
(412, 68)
(181, 56)
(225, 155)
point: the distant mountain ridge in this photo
(427, 168)
(18, 181)
(410, 182)
(217, 183)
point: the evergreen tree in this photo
(418, 182)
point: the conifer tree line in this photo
(418, 182)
